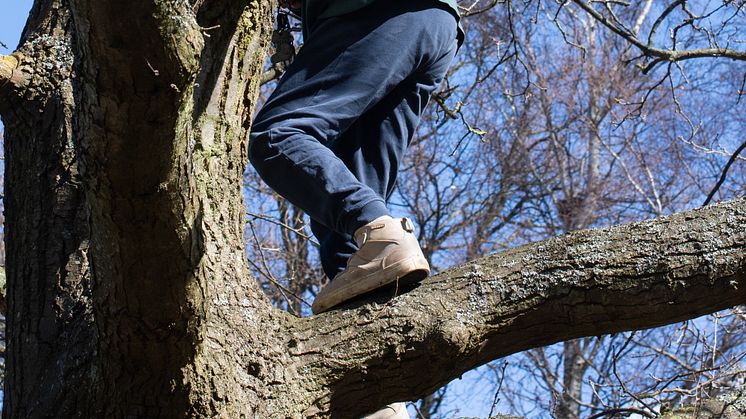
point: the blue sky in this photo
(13, 14)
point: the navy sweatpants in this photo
(332, 135)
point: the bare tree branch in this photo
(658, 55)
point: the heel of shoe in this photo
(417, 269)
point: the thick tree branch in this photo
(10, 72)
(588, 283)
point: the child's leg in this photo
(347, 67)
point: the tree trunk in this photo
(128, 289)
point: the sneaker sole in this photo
(406, 272)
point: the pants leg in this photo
(331, 136)
(373, 149)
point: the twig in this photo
(268, 274)
(297, 231)
(733, 158)
(497, 392)
(615, 358)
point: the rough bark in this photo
(128, 288)
(50, 324)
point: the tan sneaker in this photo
(388, 252)
(392, 411)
